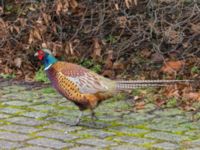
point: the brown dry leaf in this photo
(130, 2)
(22, 21)
(73, 4)
(69, 48)
(65, 6)
(18, 62)
(157, 58)
(192, 96)
(31, 39)
(135, 2)
(172, 36)
(36, 34)
(171, 67)
(109, 60)
(172, 91)
(59, 7)
(1, 10)
(108, 73)
(3, 28)
(46, 18)
(122, 20)
(96, 48)
(196, 28)
(159, 102)
(117, 6)
(139, 105)
(145, 53)
(188, 108)
(118, 65)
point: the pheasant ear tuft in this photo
(46, 51)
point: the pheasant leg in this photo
(78, 120)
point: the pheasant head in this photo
(46, 57)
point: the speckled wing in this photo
(87, 81)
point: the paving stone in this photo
(63, 127)
(57, 135)
(134, 140)
(11, 110)
(3, 116)
(166, 146)
(9, 145)
(129, 130)
(34, 114)
(166, 136)
(138, 117)
(193, 133)
(168, 127)
(169, 112)
(26, 121)
(197, 148)
(35, 148)
(175, 120)
(84, 148)
(96, 142)
(17, 103)
(196, 142)
(43, 107)
(19, 128)
(63, 119)
(96, 132)
(50, 143)
(13, 136)
(127, 147)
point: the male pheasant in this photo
(84, 87)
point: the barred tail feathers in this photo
(132, 84)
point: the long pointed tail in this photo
(132, 84)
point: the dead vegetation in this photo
(145, 39)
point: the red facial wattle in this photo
(40, 54)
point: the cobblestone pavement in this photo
(39, 120)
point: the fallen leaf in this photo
(109, 60)
(159, 102)
(145, 53)
(73, 4)
(196, 28)
(118, 65)
(18, 62)
(108, 73)
(188, 108)
(65, 6)
(135, 2)
(116, 6)
(96, 48)
(46, 18)
(157, 58)
(171, 67)
(122, 21)
(172, 36)
(139, 105)
(192, 96)
(69, 48)
(127, 2)
(172, 91)
(58, 7)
